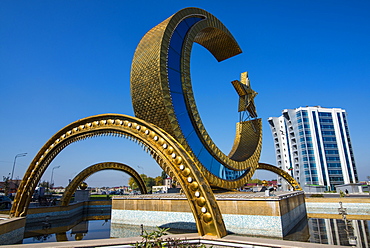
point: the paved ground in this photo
(227, 241)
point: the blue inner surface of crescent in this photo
(180, 107)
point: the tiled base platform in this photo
(243, 213)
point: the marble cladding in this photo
(122, 230)
(152, 218)
(12, 237)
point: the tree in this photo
(158, 180)
(148, 181)
(132, 183)
(164, 175)
(256, 180)
(45, 184)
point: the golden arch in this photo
(168, 153)
(282, 173)
(73, 185)
(162, 93)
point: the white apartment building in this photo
(313, 145)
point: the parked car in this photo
(5, 202)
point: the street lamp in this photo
(291, 170)
(52, 172)
(17, 156)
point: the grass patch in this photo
(317, 195)
(100, 197)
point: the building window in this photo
(327, 126)
(334, 165)
(332, 159)
(331, 152)
(307, 139)
(336, 179)
(335, 172)
(328, 133)
(326, 145)
(324, 114)
(326, 120)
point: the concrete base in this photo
(11, 229)
(351, 188)
(243, 213)
(82, 195)
(315, 189)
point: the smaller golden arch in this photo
(282, 173)
(73, 185)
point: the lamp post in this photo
(52, 172)
(15, 158)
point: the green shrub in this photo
(155, 240)
(317, 195)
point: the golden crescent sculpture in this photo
(168, 125)
(162, 94)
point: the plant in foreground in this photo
(155, 240)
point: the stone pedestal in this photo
(11, 229)
(243, 213)
(82, 195)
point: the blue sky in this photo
(61, 61)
